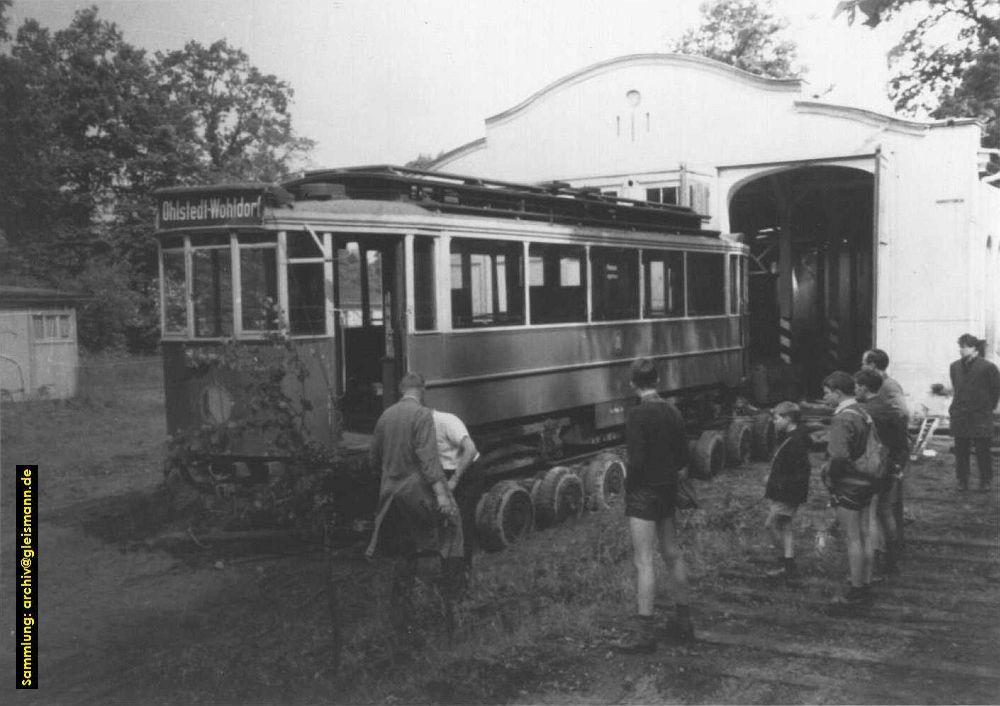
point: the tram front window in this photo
(174, 293)
(212, 292)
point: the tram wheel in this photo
(739, 443)
(708, 455)
(504, 515)
(763, 436)
(603, 480)
(557, 496)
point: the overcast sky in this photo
(381, 81)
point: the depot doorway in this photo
(811, 285)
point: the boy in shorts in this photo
(657, 453)
(787, 486)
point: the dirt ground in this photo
(123, 622)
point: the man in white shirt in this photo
(458, 456)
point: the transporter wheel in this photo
(603, 480)
(504, 515)
(557, 496)
(739, 443)
(708, 455)
(763, 436)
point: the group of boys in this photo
(868, 508)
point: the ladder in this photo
(928, 425)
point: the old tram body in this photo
(523, 306)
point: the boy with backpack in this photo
(857, 464)
(787, 486)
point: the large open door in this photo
(368, 299)
(811, 294)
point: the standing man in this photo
(459, 456)
(976, 385)
(657, 453)
(416, 511)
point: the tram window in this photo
(174, 292)
(424, 318)
(349, 285)
(734, 285)
(257, 238)
(259, 289)
(664, 274)
(374, 263)
(706, 290)
(301, 244)
(615, 284)
(558, 294)
(212, 292)
(306, 299)
(486, 287)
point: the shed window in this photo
(64, 327)
(558, 293)
(212, 292)
(662, 194)
(706, 288)
(487, 283)
(664, 275)
(615, 284)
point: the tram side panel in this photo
(200, 391)
(492, 376)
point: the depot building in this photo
(866, 230)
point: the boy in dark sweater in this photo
(787, 486)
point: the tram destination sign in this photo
(186, 209)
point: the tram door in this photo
(369, 320)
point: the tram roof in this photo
(555, 202)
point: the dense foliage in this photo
(745, 34)
(89, 126)
(948, 62)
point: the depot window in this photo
(615, 274)
(486, 283)
(664, 280)
(557, 277)
(706, 289)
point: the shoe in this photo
(963, 486)
(854, 596)
(790, 577)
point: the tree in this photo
(745, 34)
(957, 77)
(236, 119)
(90, 126)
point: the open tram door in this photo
(369, 320)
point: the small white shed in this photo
(38, 344)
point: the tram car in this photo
(522, 305)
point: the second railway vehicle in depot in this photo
(522, 305)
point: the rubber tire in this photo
(708, 455)
(603, 480)
(739, 443)
(763, 436)
(504, 516)
(557, 496)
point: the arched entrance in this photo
(810, 231)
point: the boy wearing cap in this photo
(787, 486)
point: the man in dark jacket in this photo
(787, 485)
(976, 385)
(657, 452)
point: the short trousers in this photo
(856, 497)
(651, 503)
(780, 509)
